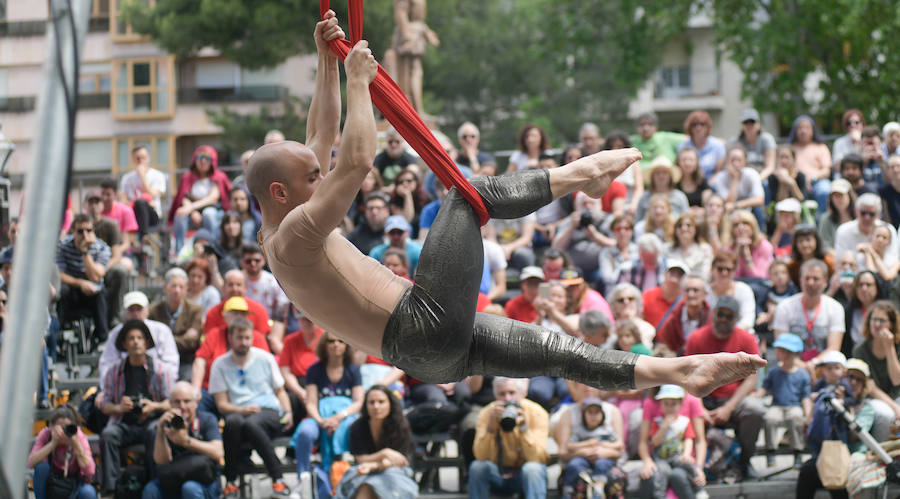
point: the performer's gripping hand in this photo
(360, 63)
(326, 30)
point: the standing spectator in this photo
(890, 190)
(591, 438)
(510, 459)
(841, 203)
(872, 157)
(693, 184)
(754, 253)
(787, 181)
(853, 123)
(663, 180)
(690, 247)
(200, 289)
(264, 289)
(135, 389)
(651, 142)
(398, 232)
(370, 232)
(142, 189)
(710, 150)
(249, 392)
(813, 157)
(618, 258)
(273, 136)
(202, 192)
(245, 162)
(686, 316)
(667, 450)
(760, 145)
(533, 141)
(60, 454)
(184, 318)
(82, 261)
(816, 318)
(521, 308)
(469, 155)
(734, 403)
(789, 384)
(739, 185)
(851, 234)
(393, 158)
(186, 453)
(164, 352)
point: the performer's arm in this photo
(324, 119)
(334, 195)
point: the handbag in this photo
(59, 487)
(833, 464)
(188, 466)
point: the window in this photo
(119, 30)
(162, 154)
(100, 8)
(92, 155)
(93, 78)
(143, 88)
(673, 82)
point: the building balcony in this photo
(263, 93)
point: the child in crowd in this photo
(789, 385)
(629, 337)
(832, 366)
(629, 401)
(670, 463)
(593, 447)
(781, 287)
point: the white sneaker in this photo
(701, 494)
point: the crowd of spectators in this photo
(705, 245)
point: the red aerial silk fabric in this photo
(396, 108)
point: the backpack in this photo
(433, 416)
(130, 482)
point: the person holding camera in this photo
(61, 458)
(510, 444)
(186, 450)
(136, 389)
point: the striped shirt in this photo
(70, 261)
(159, 381)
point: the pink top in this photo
(692, 408)
(595, 301)
(812, 159)
(123, 215)
(58, 461)
(761, 256)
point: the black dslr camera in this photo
(587, 218)
(70, 430)
(176, 423)
(510, 416)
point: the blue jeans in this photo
(42, 473)
(541, 389)
(306, 436)
(189, 490)
(248, 229)
(821, 190)
(530, 479)
(577, 465)
(180, 225)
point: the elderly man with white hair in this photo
(165, 351)
(647, 271)
(851, 234)
(469, 136)
(184, 318)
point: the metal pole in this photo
(20, 359)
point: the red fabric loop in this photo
(396, 108)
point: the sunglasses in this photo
(625, 299)
(83, 231)
(203, 156)
(725, 315)
(241, 374)
(252, 260)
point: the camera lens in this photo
(176, 423)
(70, 430)
(509, 418)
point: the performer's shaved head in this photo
(288, 163)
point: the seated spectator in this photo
(118, 212)
(780, 289)
(369, 232)
(580, 297)
(718, 226)
(851, 170)
(876, 253)
(397, 230)
(738, 184)
(659, 219)
(840, 210)
(62, 453)
(263, 288)
(202, 192)
(807, 245)
(334, 396)
(724, 284)
(628, 339)
(200, 289)
(880, 349)
(596, 329)
(514, 236)
(298, 355)
(552, 310)
(580, 238)
(616, 259)
(813, 316)
(760, 145)
(236, 285)
(787, 213)
(689, 246)
(663, 179)
(230, 241)
(407, 199)
(686, 316)
(786, 180)
(521, 308)
(853, 123)
(788, 383)
(136, 389)
(119, 266)
(813, 157)
(693, 184)
(754, 253)
(550, 216)
(627, 304)
(667, 450)
(242, 204)
(890, 189)
(532, 141)
(184, 318)
(142, 190)
(82, 261)
(872, 159)
(647, 270)
(841, 284)
(215, 344)
(865, 290)
(734, 403)
(469, 155)
(249, 391)
(398, 262)
(381, 442)
(851, 234)
(510, 453)
(187, 448)
(164, 350)
(394, 158)
(590, 439)
(710, 150)
(204, 245)
(659, 301)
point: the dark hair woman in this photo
(807, 244)
(533, 142)
(60, 452)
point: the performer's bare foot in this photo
(705, 373)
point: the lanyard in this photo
(810, 323)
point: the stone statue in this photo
(411, 37)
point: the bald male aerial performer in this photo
(430, 328)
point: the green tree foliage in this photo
(848, 46)
(247, 131)
(253, 33)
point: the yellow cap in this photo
(237, 303)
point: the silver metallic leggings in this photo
(434, 333)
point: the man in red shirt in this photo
(521, 308)
(731, 404)
(298, 354)
(236, 285)
(214, 345)
(658, 300)
(688, 315)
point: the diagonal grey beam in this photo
(36, 247)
